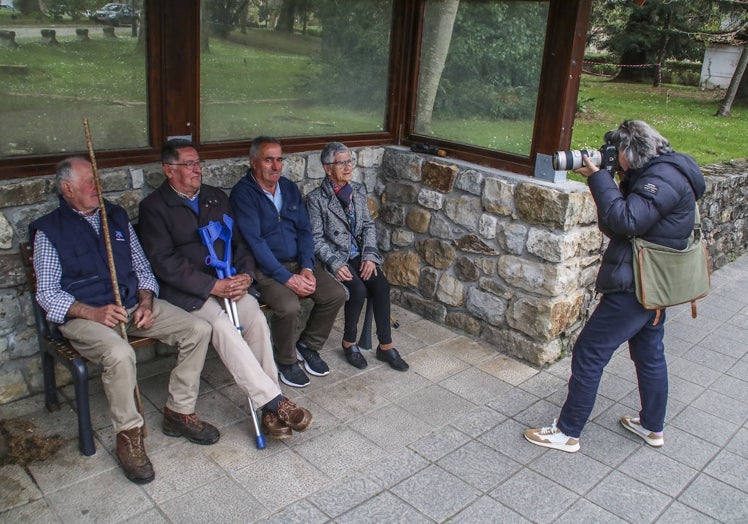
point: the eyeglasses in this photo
(189, 165)
(343, 163)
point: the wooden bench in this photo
(53, 347)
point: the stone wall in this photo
(505, 258)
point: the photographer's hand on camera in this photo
(588, 167)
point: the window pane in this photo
(88, 68)
(480, 68)
(293, 67)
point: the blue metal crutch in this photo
(209, 234)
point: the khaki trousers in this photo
(104, 346)
(285, 305)
(247, 356)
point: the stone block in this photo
(518, 345)
(402, 268)
(402, 238)
(6, 233)
(25, 192)
(439, 176)
(466, 269)
(430, 199)
(370, 156)
(401, 165)
(450, 290)
(12, 386)
(294, 168)
(400, 192)
(427, 284)
(428, 309)
(314, 167)
(473, 244)
(441, 227)
(537, 277)
(513, 237)
(436, 253)
(464, 210)
(470, 181)
(487, 226)
(486, 306)
(548, 206)
(463, 322)
(544, 319)
(498, 197)
(418, 219)
(393, 214)
(116, 180)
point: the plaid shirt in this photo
(51, 296)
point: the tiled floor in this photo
(442, 442)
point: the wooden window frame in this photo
(173, 79)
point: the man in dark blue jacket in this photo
(273, 220)
(74, 287)
(655, 201)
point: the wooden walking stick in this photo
(109, 253)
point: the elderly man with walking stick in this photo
(75, 289)
(171, 220)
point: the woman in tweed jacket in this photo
(346, 244)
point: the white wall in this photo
(719, 64)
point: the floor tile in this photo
(436, 493)
(385, 507)
(628, 498)
(524, 492)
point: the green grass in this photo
(684, 115)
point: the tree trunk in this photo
(286, 17)
(724, 109)
(662, 53)
(437, 35)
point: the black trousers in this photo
(378, 290)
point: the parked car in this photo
(114, 14)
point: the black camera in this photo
(605, 158)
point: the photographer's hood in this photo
(687, 166)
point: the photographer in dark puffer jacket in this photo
(655, 201)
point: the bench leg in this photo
(85, 428)
(50, 384)
(364, 342)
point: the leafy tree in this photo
(354, 52)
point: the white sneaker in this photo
(552, 437)
(634, 425)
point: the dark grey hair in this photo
(254, 149)
(331, 150)
(639, 142)
(170, 149)
(64, 170)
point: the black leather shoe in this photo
(392, 357)
(354, 357)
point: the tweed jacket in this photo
(331, 231)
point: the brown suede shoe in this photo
(295, 417)
(131, 454)
(274, 427)
(197, 431)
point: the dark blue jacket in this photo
(655, 202)
(83, 256)
(273, 237)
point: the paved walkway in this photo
(442, 442)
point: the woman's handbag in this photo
(665, 276)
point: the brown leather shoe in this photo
(189, 426)
(274, 427)
(131, 454)
(295, 417)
